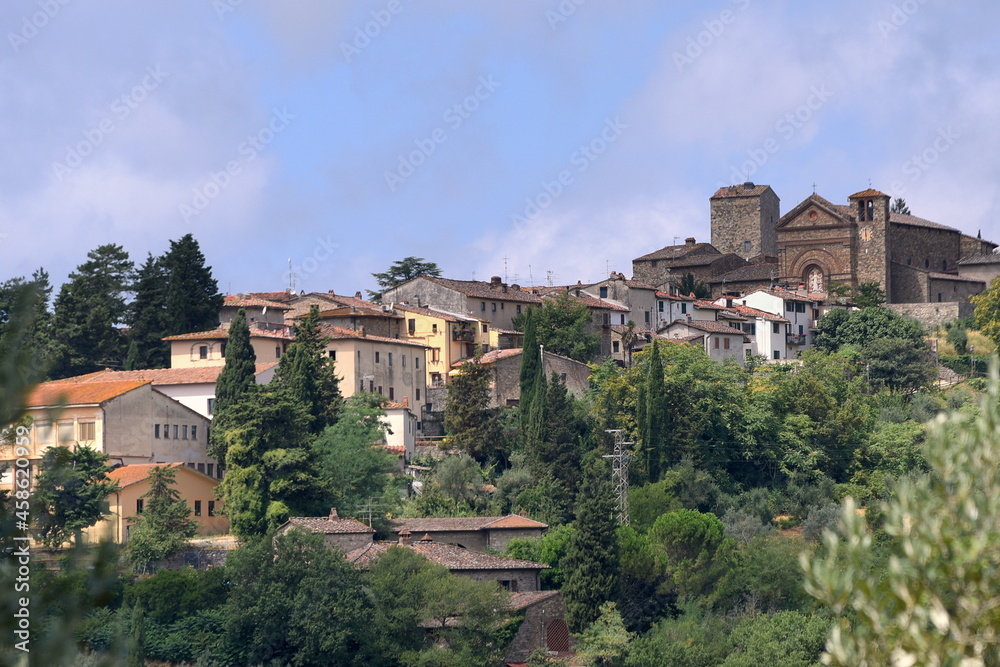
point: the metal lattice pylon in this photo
(619, 474)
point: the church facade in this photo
(818, 244)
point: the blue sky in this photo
(541, 140)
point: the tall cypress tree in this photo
(564, 431)
(310, 375)
(654, 422)
(531, 368)
(88, 310)
(236, 380)
(148, 317)
(591, 563)
(192, 299)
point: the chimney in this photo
(495, 281)
(749, 185)
(330, 291)
(333, 513)
(357, 295)
(426, 539)
(406, 401)
(405, 538)
(689, 240)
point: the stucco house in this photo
(448, 337)
(195, 488)
(208, 348)
(720, 340)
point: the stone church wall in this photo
(925, 248)
(934, 315)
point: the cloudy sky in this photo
(537, 139)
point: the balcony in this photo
(463, 335)
(795, 339)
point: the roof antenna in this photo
(531, 280)
(505, 269)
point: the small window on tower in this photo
(746, 246)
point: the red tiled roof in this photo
(868, 193)
(914, 221)
(454, 558)
(164, 376)
(515, 521)
(76, 393)
(523, 600)
(483, 290)
(748, 273)
(431, 312)
(355, 311)
(754, 312)
(251, 301)
(709, 326)
(673, 297)
(220, 333)
(438, 524)
(282, 297)
(740, 190)
(340, 333)
(987, 258)
(491, 356)
(135, 473)
(327, 526)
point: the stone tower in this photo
(870, 209)
(744, 220)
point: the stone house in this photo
(477, 533)
(512, 574)
(262, 313)
(338, 532)
(668, 265)
(130, 421)
(720, 340)
(638, 297)
(543, 627)
(195, 488)
(495, 302)
(506, 383)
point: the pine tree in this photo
(654, 417)
(591, 562)
(70, 493)
(37, 334)
(237, 379)
(88, 310)
(310, 375)
(165, 524)
(192, 295)
(148, 317)
(468, 420)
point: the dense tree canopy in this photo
(402, 270)
(70, 493)
(562, 327)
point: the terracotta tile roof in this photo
(747, 311)
(731, 314)
(622, 328)
(673, 297)
(454, 558)
(741, 190)
(327, 526)
(635, 284)
(988, 258)
(952, 276)
(492, 356)
(135, 473)
(678, 253)
(868, 193)
(355, 301)
(581, 297)
(418, 526)
(164, 376)
(432, 312)
(483, 290)
(398, 450)
(340, 333)
(707, 305)
(523, 600)
(355, 311)
(283, 297)
(787, 295)
(751, 272)
(914, 221)
(77, 393)
(690, 339)
(220, 333)
(709, 327)
(251, 301)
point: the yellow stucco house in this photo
(450, 338)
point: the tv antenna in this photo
(619, 473)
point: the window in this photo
(211, 507)
(482, 306)
(371, 386)
(222, 350)
(494, 307)
(210, 471)
(416, 363)
(201, 467)
(190, 465)
(404, 361)
(800, 308)
(211, 406)
(746, 246)
(390, 358)
(725, 342)
(197, 508)
(775, 327)
(623, 318)
(435, 355)
(376, 356)
(659, 306)
(939, 297)
(359, 356)
(501, 305)
(380, 389)
(777, 354)
(614, 346)
(203, 352)
(418, 394)
(519, 309)
(332, 354)
(646, 313)
(604, 292)
(411, 325)
(486, 328)
(606, 319)
(277, 352)
(716, 343)
(789, 307)
(927, 263)
(65, 432)
(184, 432)
(653, 263)
(156, 430)
(434, 328)
(43, 432)
(138, 506)
(563, 377)
(166, 431)
(684, 308)
(392, 393)
(176, 429)
(801, 330)
(88, 431)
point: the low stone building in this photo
(342, 533)
(478, 533)
(506, 365)
(543, 627)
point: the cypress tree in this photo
(535, 432)
(236, 380)
(310, 375)
(564, 430)
(192, 294)
(531, 368)
(148, 318)
(591, 563)
(654, 432)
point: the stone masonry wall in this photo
(909, 285)
(924, 248)
(531, 634)
(736, 220)
(934, 315)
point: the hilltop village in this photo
(623, 461)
